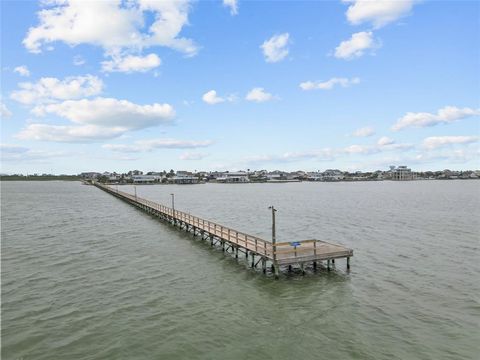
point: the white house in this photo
(146, 179)
(234, 177)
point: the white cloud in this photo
(233, 5)
(49, 89)
(329, 84)
(211, 97)
(382, 145)
(68, 133)
(435, 142)
(385, 140)
(378, 12)
(364, 132)
(116, 26)
(193, 156)
(325, 154)
(446, 115)
(109, 112)
(4, 112)
(258, 95)
(275, 49)
(19, 153)
(356, 45)
(95, 120)
(22, 70)
(359, 149)
(78, 60)
(131, 63)
(150, 145)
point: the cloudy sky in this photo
(212, 85)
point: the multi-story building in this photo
(401, 173)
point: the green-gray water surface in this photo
(87, 276)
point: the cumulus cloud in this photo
(435, 142)
(95, 119)
(193, 156)
(153, 144)
(211, 97)
(364, 132)
(356, 46)
(329, 84)
(233, 5)
(446, 115)
(385, 140)
(4, 112)
(359, 149)
(49, 89)
(116, 26)
(131, 63)
(22, 70)
(377, 12)
(258, 95)
(276, 48)
(109, 112)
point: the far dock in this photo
(268, 254)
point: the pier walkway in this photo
(275, 254)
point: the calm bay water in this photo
(87, 276)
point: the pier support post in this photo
(333, 261)
(264, 265)
(276, 271)
(211, 240)
(289, 268)
(253, 260)
(315, 265)
(348, 263)
(236, 252)
(302, 267)
(328, 264)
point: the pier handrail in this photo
(249, 241)
(278, 253)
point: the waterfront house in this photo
(234, 177)
(184, 177)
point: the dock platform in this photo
(268, 254)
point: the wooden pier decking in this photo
(275, 254)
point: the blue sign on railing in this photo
(295, 243)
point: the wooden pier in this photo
(262, 253)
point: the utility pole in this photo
(173, 207)
(274, 240)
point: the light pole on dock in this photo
(273, 224)
(274, 240)
(173, 205)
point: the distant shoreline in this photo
(76, 178)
